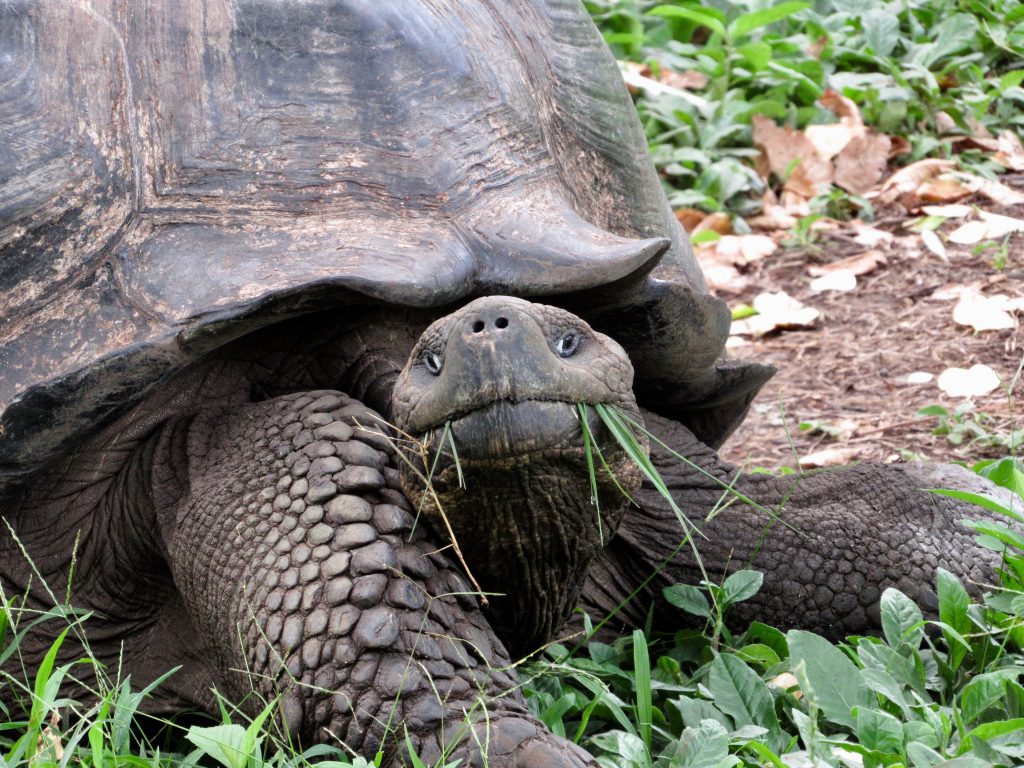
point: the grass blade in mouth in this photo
(588, 445)
(455, 453)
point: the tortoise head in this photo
(497, 457)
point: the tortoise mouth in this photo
(505, 429)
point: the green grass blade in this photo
(588, 445)
(642, 680)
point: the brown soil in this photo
(853, 366)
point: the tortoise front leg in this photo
(839, 538)
(299, 565)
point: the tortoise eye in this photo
(432, 362)
(567, 345)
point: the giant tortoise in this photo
(232, 233)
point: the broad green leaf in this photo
(834, 679)
(628, 746)
(881, 33)
(995, 734)
(223, 743)
(690, 14)
(642, 682)
(902, 620)
(741, 586)
(748, 22)
(884, 684)
(953, 602)
(689, 598)
(741, 693)
(759, 653)
(979, 694)
(986, 500)
(922, 756)
(879, 731)
(1008, 472)
(756, 54)
(693, 711)
(706, 746)
(954, 35)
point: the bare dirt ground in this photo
(850, 371)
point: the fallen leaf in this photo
(861, 264)
(715, 222)
(941, 189)
(736, 342)
(829, 457)
(841, 280)
(870, 237)
(791, 156)
(635, 81)
(1010, 152)
(995, 191)
(991, 226)
(933, 243)
(745, 249)
(844, 108)
(907, 180)
(983, 313)
(773, 216)
(787, 681)
(776, 311)
(862, 163)
(690, 218)
(900, 146)
(919, 377)
(829, 140)
(976, 381)
(689, 80)
(951, 211)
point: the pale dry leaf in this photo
(794, 203)
(787, 681)
(829, 457)
(635, 81)
(791, 155)
(976, 381)
(907, 180)
(776, 311)
(995, 191)
(842, 280)
(999, 226)
(745, 249)
(860, 264)
(689, 80)
(951, 291)
(773, 217)
(719, 272)
(919, 377)
(933, 243)
(870, 237)
(829, 140)
(736, 342)
(983, 313)
(1010, 152)
(862, 163)
(969, 233)
(950, 211)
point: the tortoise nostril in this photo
(501, 322)
(478, 326)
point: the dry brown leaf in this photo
(900, 145)
(715, 222)
(721, 275)
(942, 189)
(862, 163)
(776, 311)
(844, 108)
(829, 457)
(984, 313)
(969, 233)
(794, 203)
(636, 81)
(1010, 152)
(976, 381)
(690, 218)
(791, 152)
(907, 180)
(688, 80)
(860, 264)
